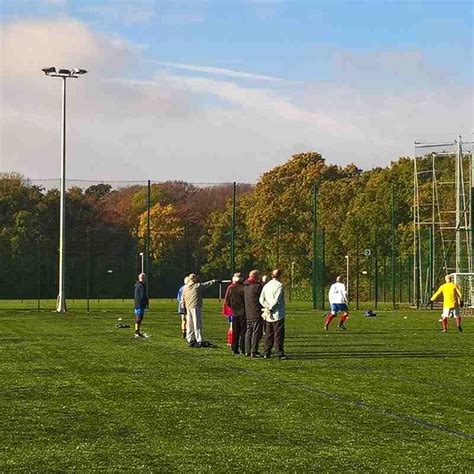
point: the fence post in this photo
(376, 275)
(393, 247)
(232, 231)
(21, 278)
(471, 203)
(431, 262)
(323, 267)
(357, 271)
(409, 276)
(38, 267)
(88, 270)
(147, 250)
(184, 248)
(315, 223)
(278, 245)
(73, 279)
(98, 279)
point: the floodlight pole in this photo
(63, 74)
(61, 301)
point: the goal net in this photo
(465, 282)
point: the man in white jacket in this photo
(272, 300)
(338, 302)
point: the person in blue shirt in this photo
(141, 303)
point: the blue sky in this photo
(282, 38)
(324, 67)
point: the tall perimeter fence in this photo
(115, 230)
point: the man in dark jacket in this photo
(235, 300)
(141, 303)
(253, 313)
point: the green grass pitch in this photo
(390, 394)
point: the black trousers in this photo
(274, 337)
(253, 335)
(239, 326)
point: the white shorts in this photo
(451, 312)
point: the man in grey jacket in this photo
(272, 300)
(192, 301)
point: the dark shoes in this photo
(341, 326)
(282, 356)
(255, 354)
(197, 345)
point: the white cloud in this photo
(212, 128)
(28, 46)
(263, 102)
(218, 71)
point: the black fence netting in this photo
(115, 230)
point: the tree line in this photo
(190, 226)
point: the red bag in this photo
(230, 337)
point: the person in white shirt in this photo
(338, 302)
(272, 299)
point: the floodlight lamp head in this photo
(64, 72)
(49, 70)
(79, 72)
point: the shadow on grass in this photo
(370, 355)
(340, 344)
(368, 333)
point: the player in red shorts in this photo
(338, 302)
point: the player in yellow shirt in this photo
(452, 301)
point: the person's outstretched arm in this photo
(436, 294)
(206, 284)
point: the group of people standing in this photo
(255, 306)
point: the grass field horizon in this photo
(391, 393)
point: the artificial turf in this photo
(390, 394)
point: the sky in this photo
(224, 90)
